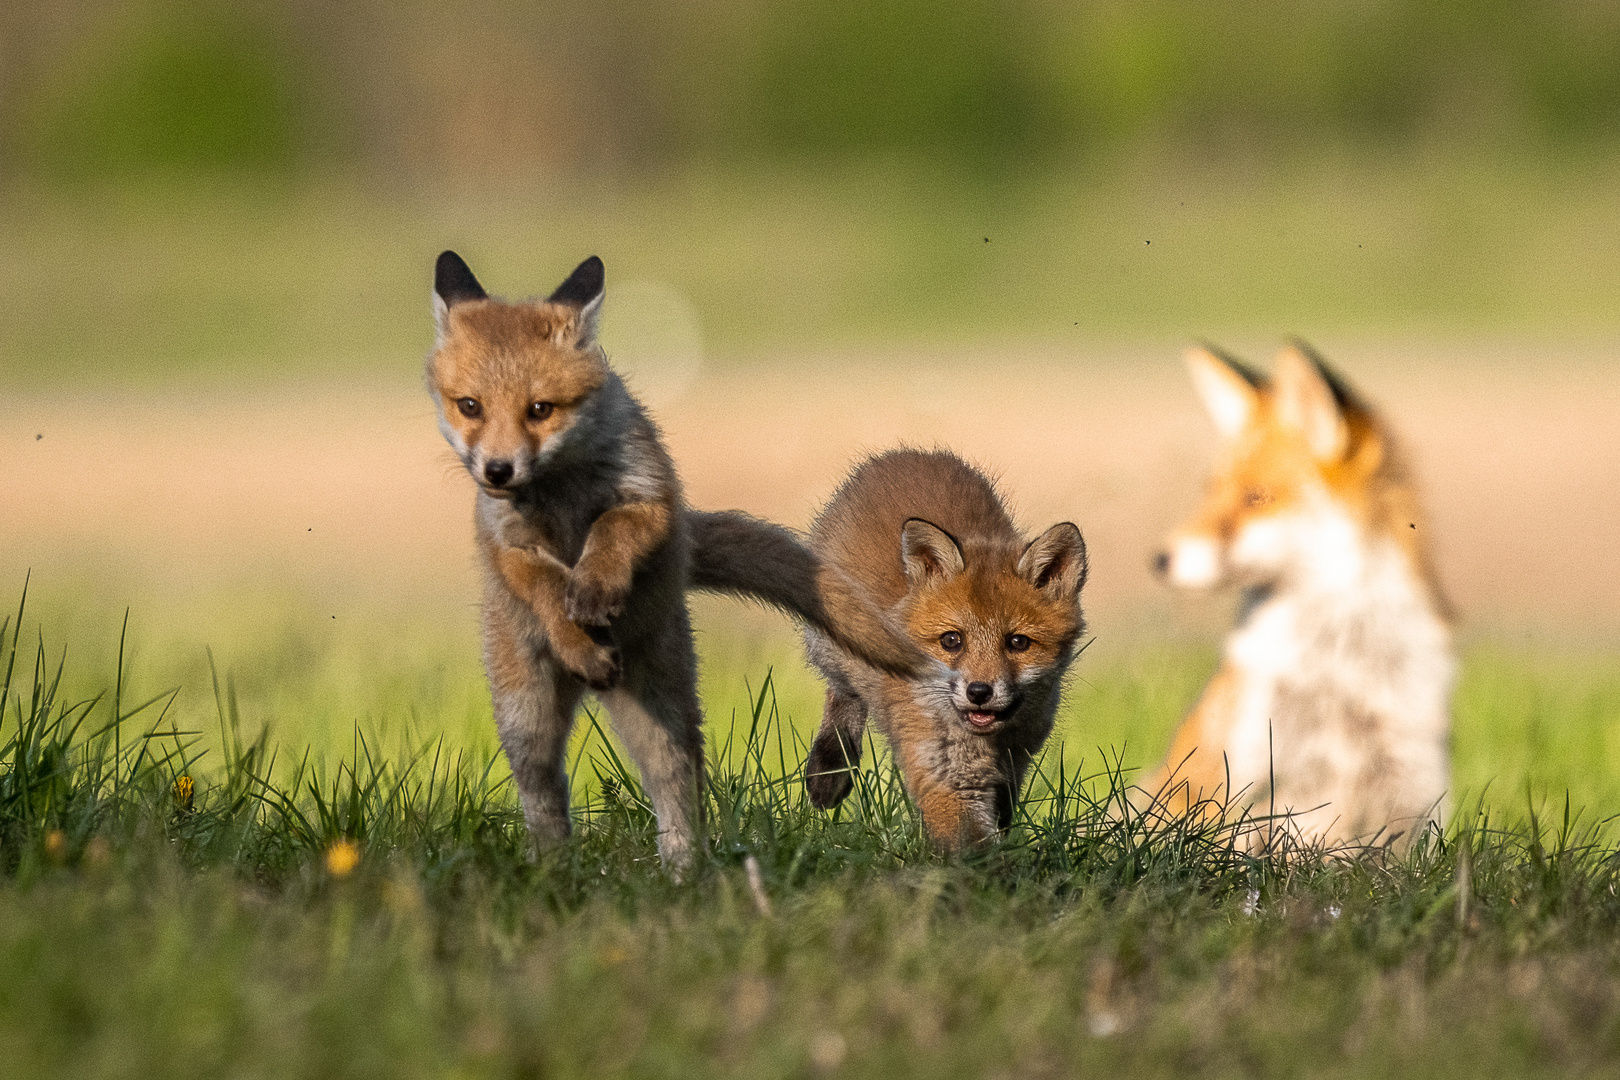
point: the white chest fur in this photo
(1345, 674)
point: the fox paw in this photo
(828, 772)
(602, 670)
(598, 664)
(590, 601)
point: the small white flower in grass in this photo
(756, 886)
(1251, 903)
(1103, 1015)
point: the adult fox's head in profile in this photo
(513, 380)
(998, 616)
(1307, 477)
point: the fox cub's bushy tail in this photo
(737, 553)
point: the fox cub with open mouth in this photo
(927, 537)
(588, 549)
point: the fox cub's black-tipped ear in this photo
(453, 282)
(1055, 561)
(582, 291)
(928, 551)
(584, 285)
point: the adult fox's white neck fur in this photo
(1346, 673)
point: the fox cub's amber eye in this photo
(469, 407)
(1017, 642)
(540, 410)
(950, 641)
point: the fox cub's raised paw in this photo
(594, 657)
(592, 601)
(828, 771)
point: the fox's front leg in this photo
(956, 818)
(540, 581)
(534, 701)
(1193, 779)
(953, 780)
(619, 540)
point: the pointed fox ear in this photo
(583, 292)
(929, 552)
(453, 283)
(1229, 388)
(1055, 562)
(1305, 401)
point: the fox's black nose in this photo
(979, 692)
(1161, 563)
(498, 472)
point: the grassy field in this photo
(1533, 721)
(345, 892)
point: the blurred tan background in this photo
(348, 483)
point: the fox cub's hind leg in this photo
(656, 715)
(829, 772)
(534, 700)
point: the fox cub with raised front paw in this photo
(588, 549)
(927, 537)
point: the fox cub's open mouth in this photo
(986, 721)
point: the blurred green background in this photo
(124, 87)
(261, 184)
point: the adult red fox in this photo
(588, 549)
(926, 536)
(1332, 701)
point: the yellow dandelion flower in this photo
(342, 857)
(184, 789)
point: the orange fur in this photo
(580, 529)
(1267, 467)
(926, 536)
(1194, 771)
(508, 356)
(542, 582)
